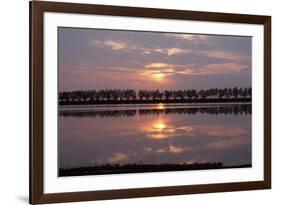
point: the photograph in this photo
(145, 101)
(129, 102)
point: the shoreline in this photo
(145, 168)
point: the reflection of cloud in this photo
(157, 139)
(148, 149)
(173, 149)
(177, 149)
(117, 157)
(223, 144)
(161, 150)
(161, 130)
(219, 130)
(213, 130)
(196, 159)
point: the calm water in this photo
(154, 134)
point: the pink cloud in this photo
(223, 68)
(228, 55)
(114, 45)
(210, 69)
(127, 46)
(195, 38)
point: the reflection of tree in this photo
(116, 96)
(137, 168)
(98, 113)
(212, 110)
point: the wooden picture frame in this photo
(37, 9)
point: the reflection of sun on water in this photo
(159, 129)
(159, 126)
(160, 106)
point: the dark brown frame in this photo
(37, 9)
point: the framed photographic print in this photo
(139, 102)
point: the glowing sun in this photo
(158, 76)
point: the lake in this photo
(154, 134)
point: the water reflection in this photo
(161, 106)
(159, 109)
(159, 129)
(165, 134)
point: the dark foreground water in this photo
(154, 134)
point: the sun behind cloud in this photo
(158, 76)
(155, 75)
(158, 71)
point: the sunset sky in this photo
(107, 59)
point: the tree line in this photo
(118, 95)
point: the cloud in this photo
(116, 69)
(117, 157)
(153, 74)
(223, 68)
(158, 70)
(191, 69)
(228, 55)
(175, 51)
(170, 51)
(219, 54)
(195, 38)
(114, 45)
(126, 46)
(158, 65)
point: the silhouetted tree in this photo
(152, 95)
